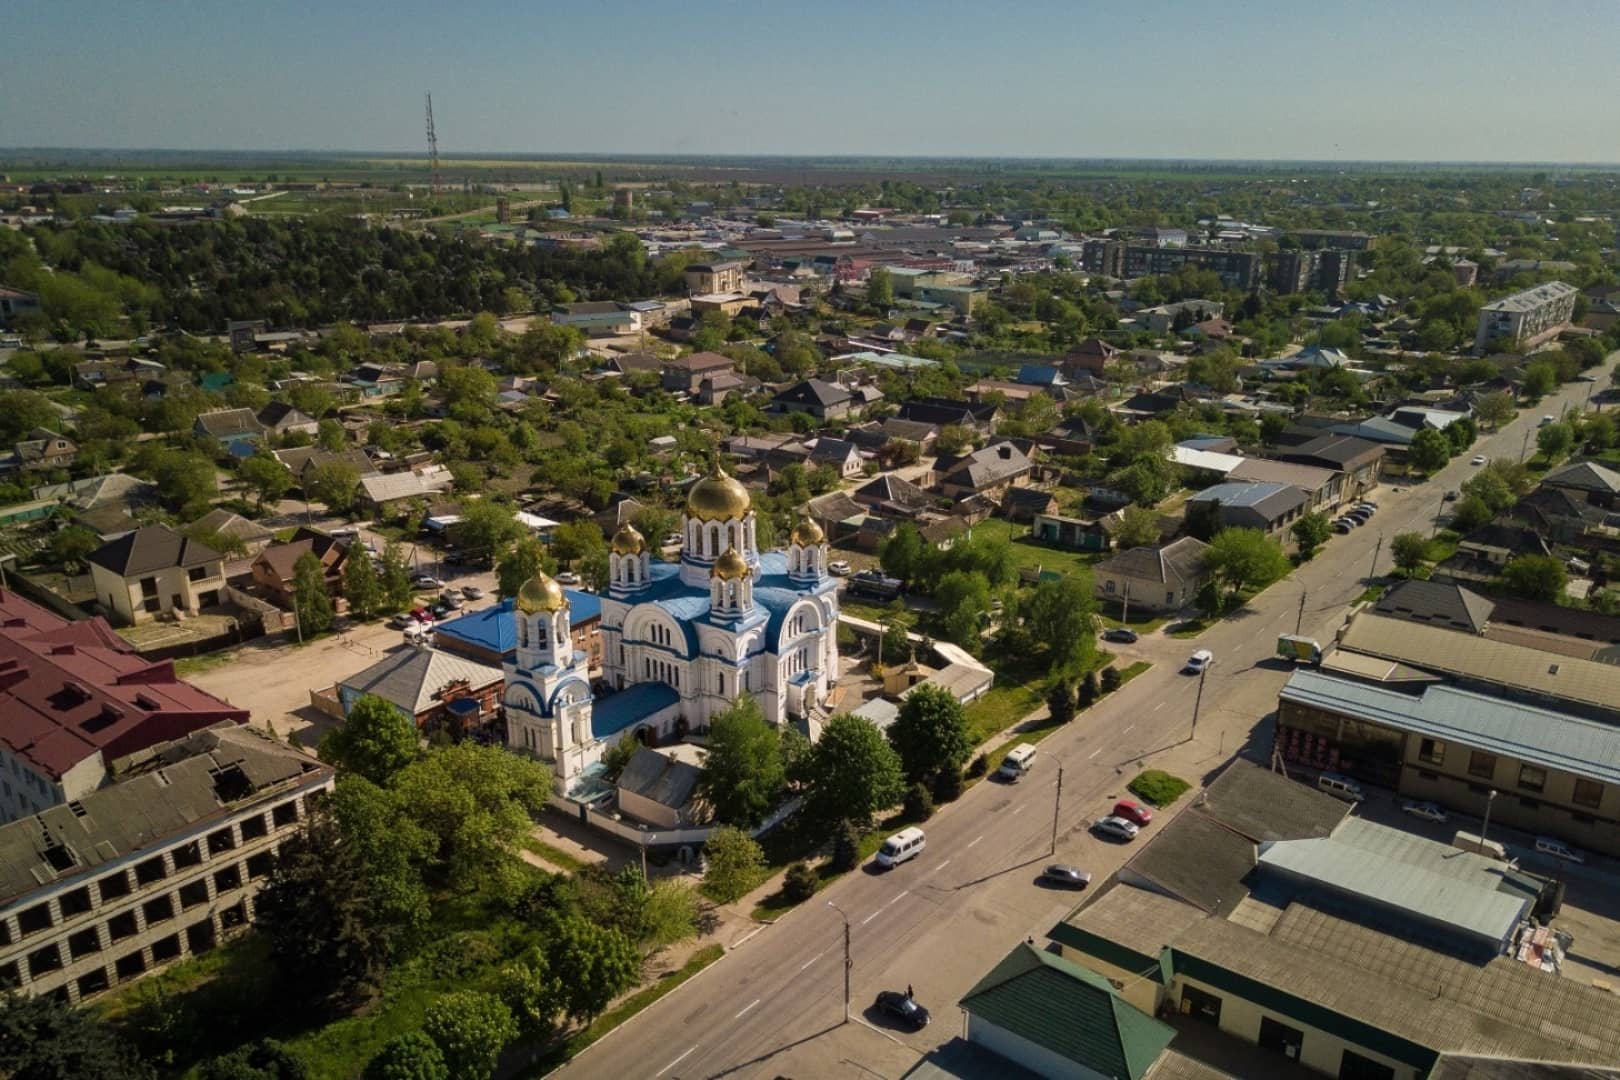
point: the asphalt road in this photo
(774, 1007)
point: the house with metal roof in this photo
(817, 397)
(1163, 579)
(1599, 483)
(985, 471)
(1269, 507)
(1436, 603)
(657, 785)
(430, 687)
(488, 635)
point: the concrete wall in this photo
(125, 598)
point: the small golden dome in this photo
(718, 497)
(627, 541)
(731, 566)
(540, 593)
(807, 533)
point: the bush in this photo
(948, 786)
(1110, 679)
(846, 847)
(1060, 701)
(1089, 690)
(1158, 787)
(980, 766)
(919, 803)
(800, 883)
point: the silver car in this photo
(1116, 828)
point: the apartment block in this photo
(1528, 318)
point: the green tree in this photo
(1138, 527)
(311, 602)
(1494, 408)
(671, 915)
(317, 912)
(520, 563)
(599, 963)
(265, 1059)
(186, 481)
(1311, 531)
(735, 864)
(394, 577)
(330, 436)
(852, 773)
(964, 599)
(532, 991)
(1409, 549)
(1059, 618)
(375, 740)
(69, 547)
(392, 846)
(1555, 440)
(576, 540)
(411, 1056)
(1539, 380)
(362, 588)
(1060, 701)
(880, 287)
(1430, 450)
(616, 757)
(485, 528)
(743, 775)
(1244, 558)
(902, 554)
(44, 1038)
(1536, 577)
(1469, 513)
(335, 484)
(21, 411)
(268, 478)
(799, 883)
(470, 1029)
(930, 734)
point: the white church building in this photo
(681, 641)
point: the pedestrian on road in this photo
(909, 994)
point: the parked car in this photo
(1428, 811)
(401, 621)
(1371, 508)
(441, 609)
(1551, 845)
(1123, 634)
(1133, 812)
(1546, 420)
(1478, 459)
(901, 1006)
(472, 592)
(1070, 877)
(839, 568)
(453, 601)
(421, 614)
(1342, 527)
(1452, 495)
(568, 577)
(1360, 517)
(1198, 662)
(672, 540)
(1117, 828)
(427, 581)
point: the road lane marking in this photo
(882, 909)
(676, 1062)
(943, 865)
(812, 960)
(976, 839)
(1094, 753)
(1159, 706)
(750, 1005)
(1018, 810)
(1128, 727)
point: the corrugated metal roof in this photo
(1540, 736)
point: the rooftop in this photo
(1530, 299)
(412, 678)
(149, 549)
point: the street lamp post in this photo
(848, 963)
(1299, 620)
(1485, 828)
(1057, 800)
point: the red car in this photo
(422, 615)
(1133, 812)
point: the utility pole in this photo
(1524, 452)
(1372, 572)
(1057, 800)
(1299, 620)
(1125, 614)
(848, 963)
(1197, 701)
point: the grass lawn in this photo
(187, 666)
(869, 612)
(554, 855)
(1190, 628)
(1004, 705)
(1030, 554)
(1370, 594)
(1143, 623)
(1158, 787)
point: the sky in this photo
(1425, 80)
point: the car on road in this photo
(903, 1007)
(442, 609)
(1478, 459)
(472, 592)
(1069, 877)
(401, 621)
(426, 581)
(1551, 845)
(1117, 828)
(1452, 496)
(568, 577)
(1133, 812)
(1428, 811)
(1546, 420)
(1198, 662)
(1122, 634)
(839, 568)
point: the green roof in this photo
(1070, 1011)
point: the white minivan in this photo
(1340, 787)
(1019, 760)
(903, 845)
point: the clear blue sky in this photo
(1377, 79)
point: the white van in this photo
(1019, 760)
(1340, 787)
(903, 845)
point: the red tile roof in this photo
(71, 689)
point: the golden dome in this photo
(807, 533)
(718, 497)
(540, 593)
(731, 566)
(627, 541)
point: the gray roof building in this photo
(152, 548)
(1177, 563)
(1437, 603)
(411, 679)
(1254, 505)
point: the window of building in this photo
(158, 909)
(113, 886)
(1588, 793)
(197, 573)
(10, 975)
(130, 966)
(1532, 778)
(220, 841)
(254, 828)
(165, 950)
(76, 902)
(234, 916)
(84, 943)
(122, 926)
(187, 855)
(1432, 752)
(1354, 1066)
(151, 870)
(149, 587)
(259, 865)
(229, 878)
(1481, 764)
(93, 983)
(44, 961)
(200, 937)
(285, 814)
(35, 919)
(194, 893)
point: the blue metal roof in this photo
(494, 629)
(615, 712)
(774, 593)
(1039, 375)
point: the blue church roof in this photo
(774, 594)
(493, 628)
(615, 712)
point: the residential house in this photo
(1025, 504)
(943, 412)
(433, 689)
(381, 492)
(45, 449)
(1044, 376)
(658, 786)
(1597, 483)
(15, 303)
(686, 374)
(718, 277)
(232, 526)
(598, 318)
(1324, 488)
(1179, 315)
(275, 569)
(1269, 507)
(987, 471)
(376, 380)
(1071, 437)
(1436, 603)
(838, 454)
(154, 571)
(894, 496)
(231, 427)
(1482, 554)
(822, 400)
(301, 461)
(1160, 579)
(1091, 355)
(279, 418)
(635, 363)
(1075, 534)
(715, 388)
(1359, 460)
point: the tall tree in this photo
(44, 1038)
(880, 287)
(1430, 450)
(264, 1059)
(1244, 558)
(335, 484)
(1494, 408)
(375, 741)
(411, 1056)
(1311, 531)
(963, 598)
(361, 586)
(600, 964)
(486, 527)
(1059, 618)
(393, 846)
(902, 553)
(1408, 550)
(1538, 577)
(852, 773)
(743, 775)
(930, 734)
(268, 478)
(394, 576)
(311, 602)
(470, 1029)
(734, 863)
(1554, 441)
(520, 563)
(1138, 527)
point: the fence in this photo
(633, 833)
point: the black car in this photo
(1123, 634)
(1070, 877)
(903, 1008)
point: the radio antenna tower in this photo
(437, 181)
